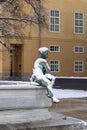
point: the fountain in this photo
(25, 106)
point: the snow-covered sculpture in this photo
(42, 73)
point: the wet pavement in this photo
(71, 107)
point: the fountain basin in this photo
(23, 102)
(24, 105)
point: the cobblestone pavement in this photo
(72, 107)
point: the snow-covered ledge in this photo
(23, 102)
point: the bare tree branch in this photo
(12, 12)
(25, 20)
(34, 5)
(5, 44)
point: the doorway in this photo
(16, 61)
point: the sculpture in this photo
(42, 73)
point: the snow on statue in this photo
(42, 73)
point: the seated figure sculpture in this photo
(42, 73)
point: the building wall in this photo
(66, 39)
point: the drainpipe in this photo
(11, 61)
(39, 25)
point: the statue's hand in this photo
(44, 70)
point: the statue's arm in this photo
(48, 70)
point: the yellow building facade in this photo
(66, 40)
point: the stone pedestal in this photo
(22, 102)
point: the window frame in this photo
(54, 50)
(55, 66)
(54, 21)
(78, 47)
(78, 26)
(78, 71)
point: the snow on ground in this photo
(69, 93)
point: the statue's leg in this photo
(51, 78)
(47, 83)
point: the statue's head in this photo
(43, 52)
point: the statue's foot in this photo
(49, 95)
(55, 100)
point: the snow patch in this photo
(69, 93)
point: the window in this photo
(54, 21)
(55, 65)
(78, 66)
(79, 25)
(79, 49)
(54, 48)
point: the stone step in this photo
(58, 122)
(24, 116)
